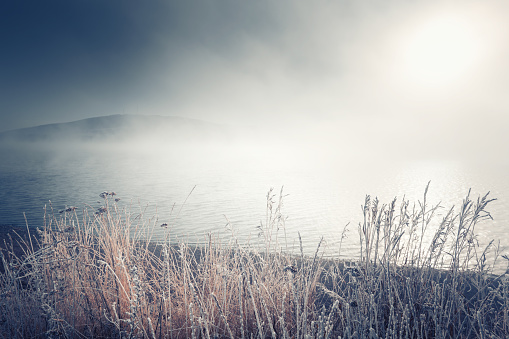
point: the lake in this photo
(324, 188)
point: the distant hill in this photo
(122, 128)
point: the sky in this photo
(400, 71)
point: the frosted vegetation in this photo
(100, 276)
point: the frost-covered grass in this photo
(98, 276)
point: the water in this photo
(325, 189)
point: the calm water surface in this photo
(324, 191)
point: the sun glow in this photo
(442, 51)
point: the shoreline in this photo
(119, 274)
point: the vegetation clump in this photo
(419, 275)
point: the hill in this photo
(121, 128)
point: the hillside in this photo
(121, 128)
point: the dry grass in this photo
(96, 277)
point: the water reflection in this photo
(325, 193)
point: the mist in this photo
(287, 68)
(331, 99)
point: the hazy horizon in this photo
(427, 76)
(414, 91)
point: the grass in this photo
(420, 274)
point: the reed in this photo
(420, 274)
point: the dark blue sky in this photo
(59, 56)
(263, 62)
(64, 60)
